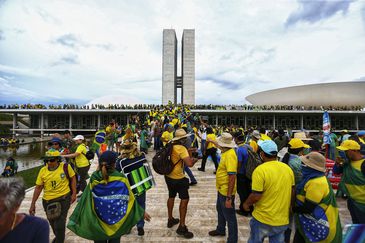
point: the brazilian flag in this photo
(106, 210)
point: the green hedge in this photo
(30, 176)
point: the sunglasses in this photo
(50, 160)
(55, 144)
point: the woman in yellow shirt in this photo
(54, 179)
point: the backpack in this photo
(252, 162)
(161, 162)
(89, 154)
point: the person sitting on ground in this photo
(16, 227)
(316, 213)
(55, 179)
(11, 167)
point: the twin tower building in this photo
(172, 83)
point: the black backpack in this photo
(89, 154)
(161, 162)
(252, 162)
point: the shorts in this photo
(180, 186)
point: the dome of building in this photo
(326, 94)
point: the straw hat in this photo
(301, 136)
(256, 134)
(179, 134)
(226, 141)
(315, 161)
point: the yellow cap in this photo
(349, 145)
(52, 153)
(296, 143)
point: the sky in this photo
(75, 51)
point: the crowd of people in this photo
(278, 177)
(244, 107)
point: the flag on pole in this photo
(326, 128)
(106, 210)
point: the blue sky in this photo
(77, 51)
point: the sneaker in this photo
(183, 230)
(200, 169)
(193, 183)
(216, 233)
(172, 222)
(140, 231)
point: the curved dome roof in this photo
(335, 94)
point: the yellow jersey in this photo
(55, 183)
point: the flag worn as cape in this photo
(106, 210)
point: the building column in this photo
(99, 121)
(274, 121)
(216, 120)
(15, 123)
(301, 122)
(128, 119)
(357, 122)
(70, 122)
(42, 125)
(245, 122)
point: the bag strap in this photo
(65, 170)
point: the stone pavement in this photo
(201, 216)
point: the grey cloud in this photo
(72, 59)
(224, 83)
(2, 36)
(314, 11)
(47, 17)
(68, 40)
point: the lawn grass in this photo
(30, 176)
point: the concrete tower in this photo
(170, 80)
(169, 66)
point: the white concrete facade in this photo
(170, 80)
(188, 66)
(169, 66)
(326, 94)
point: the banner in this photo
(326, 128)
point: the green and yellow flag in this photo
(106, 210)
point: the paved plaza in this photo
(201, 216)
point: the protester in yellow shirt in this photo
(226, 187)
(272, 187)
(55, 178)
(167, 135)
(177, 183)
(255, 136)
(82, 164)
(210, 149)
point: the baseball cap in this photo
(109, 157)
(349, 145)
(268, 146)
(79, 137)
(361, 133)
(296, 143)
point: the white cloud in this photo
(85, 50)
